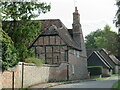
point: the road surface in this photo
(106, 83)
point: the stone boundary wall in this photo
(28, 74)
(0, 79)
(106, 72)
(117, 69)
(77, 66)
(7, 79)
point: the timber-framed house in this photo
(56, 44)
(53, 42)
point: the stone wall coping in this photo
(44, 65)
(27, 64)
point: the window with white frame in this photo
(78, 54)
(74, 52)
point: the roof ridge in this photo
(103, 58)
(96, 52)
(109, 56)
(70, 38)
(61, 30)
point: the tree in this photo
(17, 22)
(9, 53)
(103, 39)
(117, 20)
(117, 23)
(90, 39)
(22, 34)
(22, 10)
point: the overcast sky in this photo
(94, 14)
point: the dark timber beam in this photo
(52, 56)
(45, 56)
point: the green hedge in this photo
(34, 60)
(95, 70)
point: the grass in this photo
(98, 78)
(34, 60)
(51, 85)
(116, 85)
(114, 75)
(101, 78)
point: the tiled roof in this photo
(59, 29)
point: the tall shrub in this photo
(9, 53)
(18, 22)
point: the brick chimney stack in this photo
(77, 32)
(76, 16)
(76, 27)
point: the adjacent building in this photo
(101, 57)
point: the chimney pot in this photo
(76, 11)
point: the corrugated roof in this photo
(112, 58)
(99, 54)
(100, 58)
(90, 51)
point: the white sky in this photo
(94, 14)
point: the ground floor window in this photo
(51, 54)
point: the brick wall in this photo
(0, 80)
(7, 79)
(33, 75)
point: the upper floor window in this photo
(78, 54)
(74, 52)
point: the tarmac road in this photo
(106, 83)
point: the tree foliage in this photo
(22, 34)
(18, 24)
(103, 39)
(117, 23)
(117, 19)
(23, 10)
(9, 53)
(90, 39)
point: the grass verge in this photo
(113, 75)
(98, 78)
(116, 85)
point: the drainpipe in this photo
(22, 74)
(13, 80)
(67, 65)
